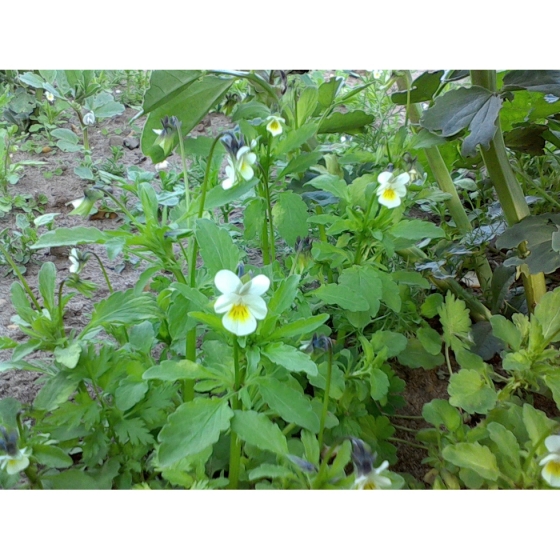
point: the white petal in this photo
(229, 181)
(402, 180)
(241, 152)
(258, 285)
(77, 202)
(553, 444)
(17, 464)
(384, 177)
(256, 305)
(239, 328)
(225, 302)
(227, 282)
(246, 171)
(551, 473)
(389, 198)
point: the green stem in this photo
(121, 206)
(272, 246)
(323, 238)
(509, 191)
(235, 442)
(445, 183)
(326, 395)
(20, 276)
(184, 163)
(104, 271)
(406, 442)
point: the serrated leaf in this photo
(69, 356)
(473, 456)
(365, 282)
(415, 356)
(55, 391)
(439, 412)
(193, 427)
(216, 247)
(474, 107)
(257, 429)
(291, 405)
(468, 390)
(454, 318)
(545, 81)
(133, 430)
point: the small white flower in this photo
(77, 202)
(117, 91)
(551, 471)
(49, 96)
(162, 166)
(74, 261)
(377, 74)
(241, 304)
(16, 462)
(242, 166)
(374, 480)
(392, 189)
(274, 125)
(89, 119)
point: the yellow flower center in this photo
(239, 312)
(389, 194)
(553, 468)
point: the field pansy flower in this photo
(392, 189)
(167, 135)
(551, 471)
(89, 119)
(367, 477)
(241, 304)
(274, 125)
(241, 160)
(49, 96)
(77, 261)
(14, 460)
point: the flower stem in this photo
(326, 395)
(235, 442)
(104, 271)
(184, 162)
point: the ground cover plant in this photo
(246, 287)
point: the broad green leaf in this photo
(306, 104)
(414, 356)
(295, 138)
(390, 296)
(474, 107)
(439, 412)
(332, 184)
(527, 139)
(300, 163)
(547, 313)
(216, 247)
(124, 308)
(271, 471)
(47, 284)
(363, 281)
(9, 409)
(537, 424)
(379, 384)
(473, 456)
(290, 217)
(169, 370)
(507, 450)
(258, 430)
(289, 358)
(72, 480)
(291, 405)
(552, 380)
(337, 380)
(69, 236)
(337, 294)
(544, 81)
(51, 456)
(328, 91)
(193, 427)
(468, 390)
(421, 89)
(165, 85)
(55, 391)
(351, 122)
(416, 229)
(506, 331)
(284, 295)
(219, 196)
(300, 326)
(395, 343)
(253, 218)
(32, 80)
(430, 339)
(189, 106)
(20, 301)
(128, 393)
(68, 356)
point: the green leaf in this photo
(290, 217)
(291, 405)
(219, 196)
(379, 384)
(124, 308)
(537, 424)
(9, 409)
(475, 108)
(300, 326)
(505, 330)
(167, 84)
(337, 294)
(47, 284)
(306, 104)
(547, 313)
(328, 91)
(415, 356)
(527, 139)
(68, 356)
(506, 450)
(190, 105)
(270, 471)
(300, 163)
(363, 281)
(473, 456)
(393, 342)
(545, 81)
(289, 358)
(193, 427)
(332, 184)
(552, 380)
(128, 393)
(469, 390)
(351, 122)
(258, 430)
(416, 229)
(430, 339)
(455, 320)
(169, 370)
(69, 236)
(295, 138)
(439, 412)
(72, 480)
(133, 430)
(51, 456)
(55, 391)
(216, 247)
(337, 380)
(421, 89)
(284, 295)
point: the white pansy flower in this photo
(242, 166)
(162, 166)
(16, 462)
(551, 471)
(374, 480)
(392, 189)
(49, 96)
(74, 261)
(274, 125)
(241, 304)
(89, 119)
